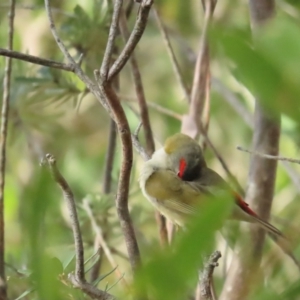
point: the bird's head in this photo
(181, 154)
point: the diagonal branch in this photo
(111, 39)
(201, 82)
(77, 279)
(134, 38)
(174, 61)
(36, 60)
(77, 69)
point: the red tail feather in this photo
(243, 205)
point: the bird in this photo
(176, 180)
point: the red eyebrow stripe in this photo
(182, 166)
(243, 205)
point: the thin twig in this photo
(109, 159)
(89, 289)
(106, 188)
(231, 177)
(111, 39)
(36, 60)
(165, 110)
(139, 89)
(139, 148)
(233, 100)
(134, 38)
(69, 198)
(3, 137)
(155, 106)
(77, 69)
(200, 88)
(268, 156)
(99, 234)
(77, 279)
(174, 61)
(206, 277)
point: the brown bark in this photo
(261, 180)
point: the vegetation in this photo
(242, 71)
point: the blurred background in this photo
(52, 112)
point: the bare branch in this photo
(134, 38)
(139, 89)
(206, 277)
(78, 280)
(233, 100)
(69, 198)
(164, 110)
(111, 38)
(261, 182)
(124, 178)
(36, 60)
(110, 154)
(77, 69)
(89, 289)
(155, 106)
(174, 61)
(231, 177)
(268, 156)
(99, 234)
(144, 117)
(139, 148)
(3, 137)
(200, 88)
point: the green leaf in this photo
(170, 273)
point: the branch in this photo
(3, 137)
(106, 96)
(139, 148)
(155, 106)
(69, 198)
(111, 38)
(77, 69)
(139, 89)
(36, 60)
(268, 156)
(99, 235)
(134, 38)
(233, 100)
(109, 159)
(261, 182)
(125, 172)
(231, 177)
(201, 86)
(206, 277)
(174, 61)
(89, 289)
(78, 280)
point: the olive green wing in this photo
(172, 193)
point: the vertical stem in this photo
(261, 181)
(3, 136)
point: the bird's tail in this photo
(279, 238)
(267, 226)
